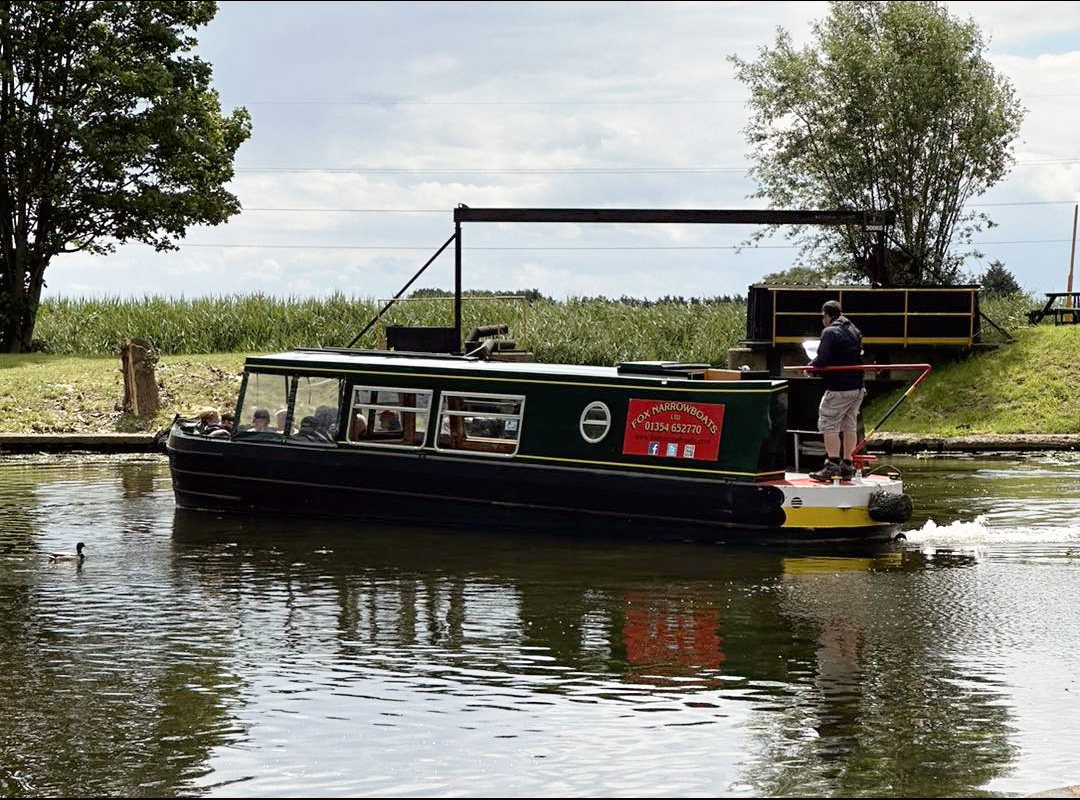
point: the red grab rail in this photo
(925, 370)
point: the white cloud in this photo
(1019, 25)
(418, 106)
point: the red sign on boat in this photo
(673, 429)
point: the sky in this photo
(372, 121)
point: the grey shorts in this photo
(839, 411)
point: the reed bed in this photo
(578, 330)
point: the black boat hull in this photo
(430, 488)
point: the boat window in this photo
(482, 423)
(315, 410)
(389, 416)
(595, 422)
(263, 401)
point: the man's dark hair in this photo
(832, 308)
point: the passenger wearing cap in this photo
(260, 420)
(310, 430)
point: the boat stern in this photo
(871, 506)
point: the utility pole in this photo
(1072, 259)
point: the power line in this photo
(1027, 203)
(356, 210)
(467, 247)
(395, 101)
(633, 170)
(299, 210)
(580, 170)
(554, 247)
(400, 102)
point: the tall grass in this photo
(201, 325)
(581, 331)
(1008, 312)
(577, 331)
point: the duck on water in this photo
(78, 555)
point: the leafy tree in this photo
(797, 276)
(893, 107)
(999, 281)
(109, 133)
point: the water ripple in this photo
(227, 657)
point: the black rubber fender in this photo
(889, 507)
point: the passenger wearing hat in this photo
(260, 420)
(838, 413)
(309, 430)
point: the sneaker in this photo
(830, 470)
(847, 470)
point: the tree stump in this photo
(137, 359)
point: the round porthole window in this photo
(595, 422)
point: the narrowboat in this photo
(653, 448)
(457, 436)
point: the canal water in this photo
(199, 656)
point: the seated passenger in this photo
(327, 418)
(280, 417)
(209, 423)
(260, 420)
(227, 420)
(310, 431)
(389, 421)
(358, 426)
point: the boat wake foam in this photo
(977, 531)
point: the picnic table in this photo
(1063, 314)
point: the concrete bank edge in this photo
(983, 443)
(21, 443)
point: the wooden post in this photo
(137, 359)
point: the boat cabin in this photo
(646, 415)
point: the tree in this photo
(109, 133)
(797, 276)
(999, 281)
(893, 107)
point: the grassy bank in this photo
(42, 393)
(1029, 386)
(1025, 387)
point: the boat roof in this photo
(349, 359)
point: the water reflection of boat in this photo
(489, 552)
(651, 448)
(650, 613)
(826, 661)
